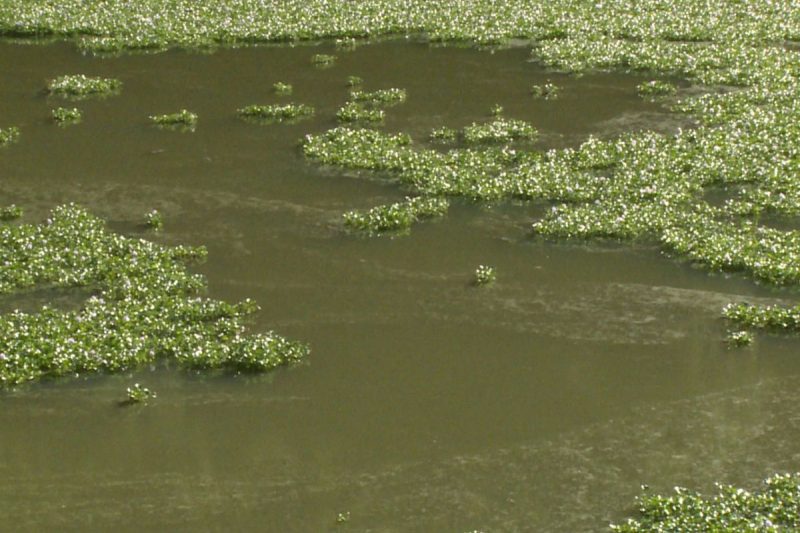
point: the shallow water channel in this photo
(540, 403)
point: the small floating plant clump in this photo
(145, 306)
(64, 115)
(547, 91)
(282, 89)
(8, 135)
(397, 217)
(383, 97)
(443, 134)
(154, 220)
(276, 112)
(139, 394)
(81, 86)
(182, 119)
(774, 508)
(738, 339)
(354, 112)
(484, 275)
(767, 317)
(10, 212)
(354, 81)
(656, 88)
(500, 130)
(323, 60)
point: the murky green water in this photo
(538, 404)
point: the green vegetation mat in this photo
(145, 306)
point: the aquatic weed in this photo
(282, 89)
(323, 60)
(547, 91)
(774, 508)
(656, 88)
(354, 81)
(739, 338)
(397, 217)
(354, 112)
(484, 275)
(183, 118)
(63, 115)
(145, 306)
(10, 212)
(154, 220)
(139, 394)
(384, 97)
(82, 86)
(443, 134)
(499, 130)
(276, 112)
(8, 135)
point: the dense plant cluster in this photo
(81, 86)
(355, 112)
(139, 394)
(656, 88)
(182, 118)
(65, 115)
(383, 97)
(397, 217)
(145, 306)
(773, 509)
(10, 212)
(8, 135)
(281, 88)
(276, 112)
(498, 131)
(484, 275)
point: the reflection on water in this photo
(539, 403)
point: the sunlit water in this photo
(540, 403)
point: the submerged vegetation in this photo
(775, 508)
(397, 217)
(183, 118)
(8, 135)
(64, 115)
(145, 306)
(276, 112)
(81, 86)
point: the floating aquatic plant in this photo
(323, 60)
(485, 275)
(182, 118)
(139, 394)
(397, 217)
(496, 110)
(444, 134)
(353, 112)
(774, 508)
(64, 115)
(277, 112)
(154, 219)
(769, 317)
(547, 91)
(383, 97)
(499, 130)
(8, 135)
(656, 88)
(81, 86)
(10, 212)
(739, 338)
(341, 518)
(281, 88)
(354, 81)
(145, 306)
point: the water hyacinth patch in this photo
(774, 508)
(63, 115)
(496, 110)
(354, 112)
(383, 97)
(275, 112)
(8, 135)
(145, 306)
(739, 338)
(397, 217)
(484, 275)
(10, 212)
(183, 118)
(282, 89)
(500, 130)
(81, 86)
(547, 91)
(768, 317)
(323, 60)
(656, 88)
(154, 220)
(354, 81)
(138, 394)
(443, 134)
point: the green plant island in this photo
(641, 186)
